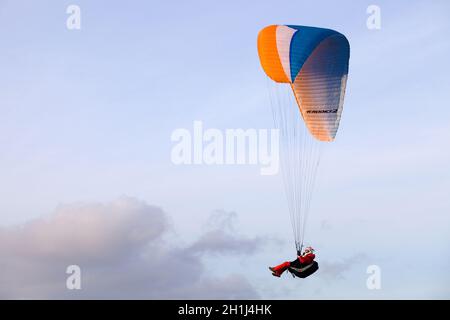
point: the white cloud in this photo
(123, 252)
(221, 237)
(336, 270)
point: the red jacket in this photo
(307, 259)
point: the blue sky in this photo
(86, 116)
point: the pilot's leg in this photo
(296, 264)
(278, 270)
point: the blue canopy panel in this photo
(303, 43)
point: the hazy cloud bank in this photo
(123, 253)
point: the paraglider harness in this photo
(305, 271)
(299, 270)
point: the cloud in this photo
(336, 270)
(325, 225)
(123, 252)
(222, 237)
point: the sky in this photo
(86, 176)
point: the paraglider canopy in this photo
(309, 68)
(314, 61)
